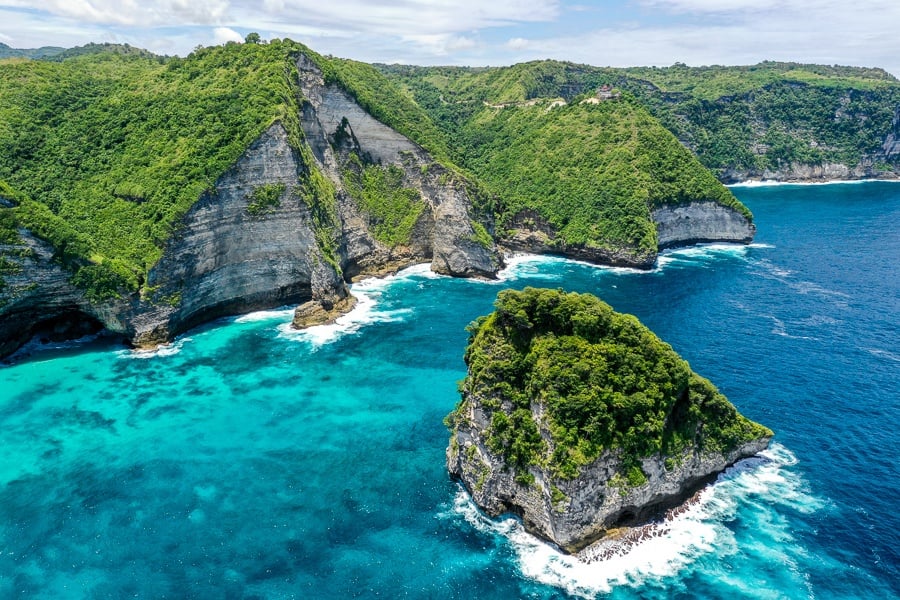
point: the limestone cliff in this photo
(36, 297)
(580, 420)
(232, 253)
(344, 139)
(679, 225)
(258, 238)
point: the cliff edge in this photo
(580, 420)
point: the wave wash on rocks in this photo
(580, 420)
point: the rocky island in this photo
(580, 420)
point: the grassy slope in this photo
(605, 382)
(753, 117)
(593, 170)
(108, 151)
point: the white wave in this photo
(883, 354)
(760, 484)
(368, 294)
(161, 350)
(775, 183)
(266, 315)
(703, 253)
(778, 328)
(35, 345)
(528, 265)
(708, 250)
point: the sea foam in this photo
(368, 294)
(751, 490)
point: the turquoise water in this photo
(247, 461)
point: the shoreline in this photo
(752, 183)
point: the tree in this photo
(252, 38)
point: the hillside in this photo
(581, 420)
(149, 193)
(777, 120)
(247, 175)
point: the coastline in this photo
(778, 183)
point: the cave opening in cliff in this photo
(70, 324)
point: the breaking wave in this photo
(754, 491)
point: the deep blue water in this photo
(250, 462)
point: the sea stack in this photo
(580, 420)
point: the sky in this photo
(615, 33)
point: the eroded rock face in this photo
(335, 125)
(591, 504)
(38, 296)
(228, 258)
(803, 173)
(679, 225)
(225, 258)
(580, 420)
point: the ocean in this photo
(250, 461)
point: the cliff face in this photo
(574, 513)
(253, 241)
(580, 420)
(679, 225)
(37, 298)
(335, 127)
(227, 257)
(803, 173)
(232, 255)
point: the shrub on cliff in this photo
(603, 381)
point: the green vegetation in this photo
(592, 170)
(104, 148)
(111, 146)
(750, 118)
(392, 208)
(605, 382)
(265, 199)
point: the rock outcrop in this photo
(228, 258)
(321, 312)
(251, 242)
(805, 173)
(336, 126)
(531, 233)
(36, 297)
(696, 222)
(579, 420)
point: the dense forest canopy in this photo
(104, 148)
(749, 118)
(602, 381)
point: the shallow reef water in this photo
(250, 461)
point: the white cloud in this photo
(226, 34)
(131, 12)
(397, 18)
(478, 33)
(517, 43)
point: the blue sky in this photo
(492, 32)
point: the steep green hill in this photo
(601, 380)
(542, 141)
(739, 121)
(593, 171)
(109, 150)
(104, 148)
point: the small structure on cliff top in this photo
(580, 420)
